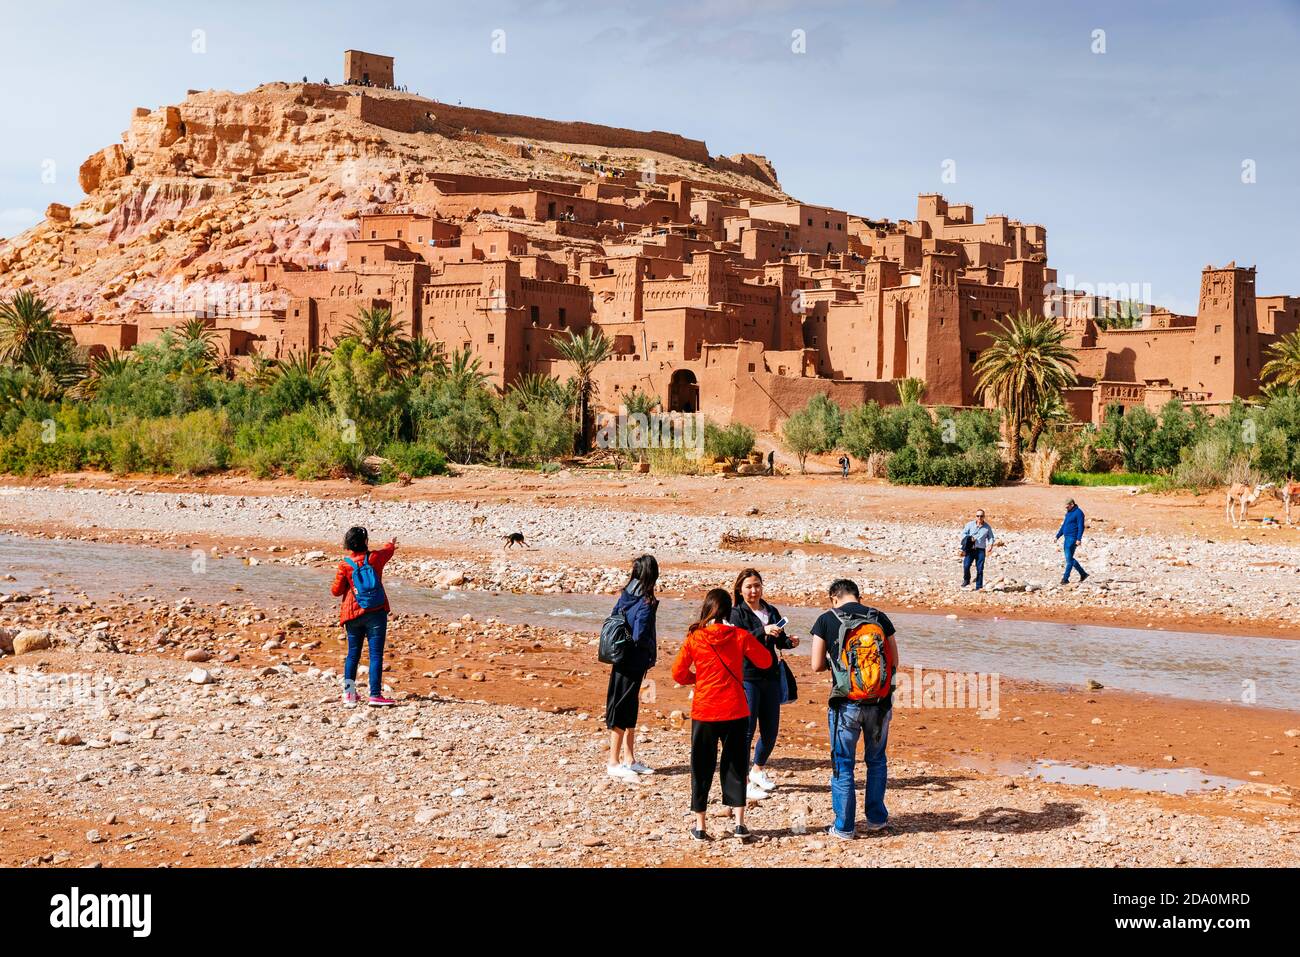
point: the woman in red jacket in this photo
(713, 659)
(363, 612)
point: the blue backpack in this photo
(366, 585)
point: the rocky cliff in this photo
(197, 192)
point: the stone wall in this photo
(413, 114)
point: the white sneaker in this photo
(761, 778)
(640, 768)
(755, 793)
(623, 773)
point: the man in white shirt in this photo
(976, 539)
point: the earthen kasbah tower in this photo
(495, 233)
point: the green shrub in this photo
(813, 430)
(416, 459)
(27, 451)
(125, 455)
(1210, 462)
(201, 443)
(1093, 479)
(529, 431)
(977, 468)
(733, 443)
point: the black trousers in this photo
(623, 699)
(705, 738)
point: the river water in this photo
(1205, 667)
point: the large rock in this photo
(28, 641)
(109, 164)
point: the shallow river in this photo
(1205, 667)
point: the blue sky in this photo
(1132, 158)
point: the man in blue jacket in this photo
(1072, 531)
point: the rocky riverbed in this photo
(1171, 578)
(137, 731)
(150, 727)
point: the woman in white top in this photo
(764, 687)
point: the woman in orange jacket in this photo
(713, 659)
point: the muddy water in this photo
(1197, 666)
(1110, 776)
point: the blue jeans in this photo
(848, 722)
(1071, 562)
(975, 555)
(371, 627)
(764, 699)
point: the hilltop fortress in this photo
(277, 215)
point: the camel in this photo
(1288, 492)
(1244, 496)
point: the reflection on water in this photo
(1185, 665)
(1123, 776)
(1167, 780)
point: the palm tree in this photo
(463, 372)
(197, 343)
(641, 403)
(419, 356)
(300, 365)
(196, 330)
(536, 387)
(1050, 408)
(104, 366)
(1283, 366)
(911, 390)
(377, 331)
(1026, 362)
(30, 339)
(261, 370)
(585, 351)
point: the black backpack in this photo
(615, 640)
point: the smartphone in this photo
(782, 623)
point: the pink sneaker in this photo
(349, 699)
(379, 701)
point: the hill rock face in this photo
(199, 191)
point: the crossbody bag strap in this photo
(725, 668)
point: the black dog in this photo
(515, 538)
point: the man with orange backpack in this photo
(856, 643)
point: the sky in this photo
(1151, 138)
